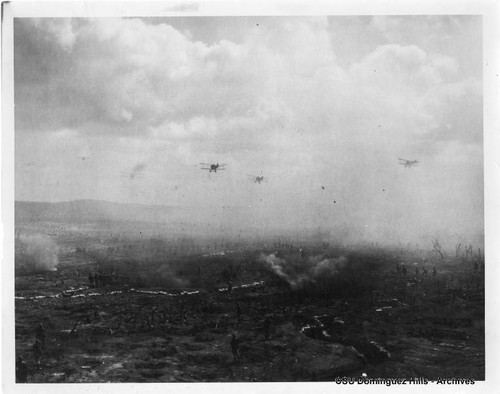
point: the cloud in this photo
(59, 30)
(152, 80)
(129, 74)
(444, 34)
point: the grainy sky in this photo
(125, 110)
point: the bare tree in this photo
(467, 253)
(436, 246)
(457, 250)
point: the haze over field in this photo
(124, 110)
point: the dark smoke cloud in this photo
(39, 253)
(300, 270)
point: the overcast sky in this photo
(125, 110)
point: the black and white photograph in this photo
(246, 197)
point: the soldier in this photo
(91, 280)
(37, 353)
(40, 334)
(21, 370)
(434, 272)
(416, 271)
(238, 312)
(234, 348)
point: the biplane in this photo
(408, 163)
(257, 179)
(212, 167)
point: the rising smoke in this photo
(37, 253)
(300, 270)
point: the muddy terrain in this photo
(116, 317)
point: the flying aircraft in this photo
(407, 163)
(257, 179)
(212, 167)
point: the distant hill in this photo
(126, 217)
(92, 211)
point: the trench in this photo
(79, 293)
(330, 328)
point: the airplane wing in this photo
(402, 159)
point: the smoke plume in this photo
(38, 253)
(300, 270)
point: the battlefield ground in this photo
(139, 308)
